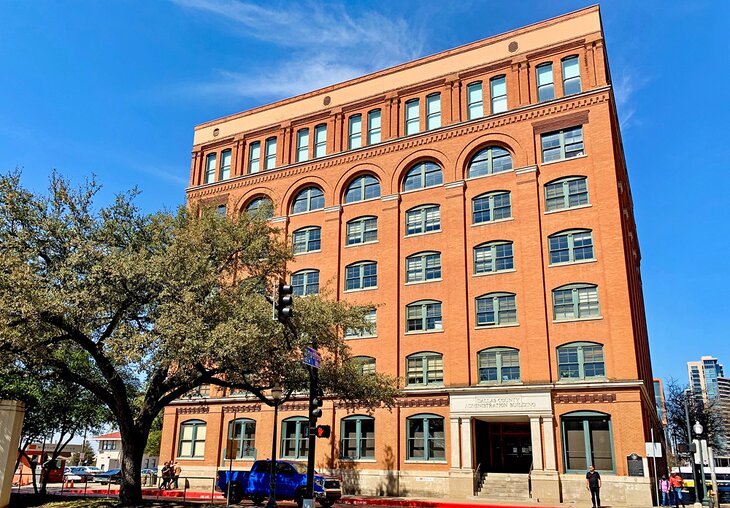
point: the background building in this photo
(109, 455)
(708, 384)
(480, 197)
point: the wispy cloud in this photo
(321, 44)
(625, 89)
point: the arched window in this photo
(307, 239)
(422, 175)
(499, 365)
(192, 439)
(493, 257)
(571, 75)
(308, 199)
(305, 282)
(496, 309)
(426, 439)
(565, 193)
(241, 436)
(575, 301)
(423, 266)
(571, 246)
(423, 219)
(545, 83)
(490, 160)
(362, 230)
(491, 207)
(209, 168)
(423, 316)
(581, 360)
(587, 440)
(366, 364)
(261, 204)
(425, 368)
(357, 437)
(294, 440)
(361, 275)
(362, 188)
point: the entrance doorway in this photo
(503, 447)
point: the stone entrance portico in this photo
(504, 405)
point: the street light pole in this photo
(698, 430)
(689, 444)
(276, 395)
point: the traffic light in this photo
(323, 431)
(315, 408)
(285, 302)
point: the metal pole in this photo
(713, 476)
(689, 443)
(656, 476)
(309, 493)
(230, 466)
(272, 470)
(702, 470)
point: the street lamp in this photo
(276, 392)
(698, 432)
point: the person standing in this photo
(677, 484)
(593, 484)
(176, 470)
(664, 488)
(165, 476)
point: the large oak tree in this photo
(139, 309)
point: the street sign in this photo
(312, 357)
(654, 450)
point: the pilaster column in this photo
(536, 435)
(455, 443)
(334, 141)
(466, 450)
(549, 443)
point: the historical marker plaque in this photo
(635, 465)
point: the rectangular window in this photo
(302, 145)
(354, 136)
(498, 88)
(374, 127)
(474, 101)
(493, 258)
(433, 111)
(294, 440)
(209, 168)
(423, 317)
(254, 157)
(225, 165)
(413, 118)
(588, 441)
(563, 144)
(426, 439)
(571, 75)
(491, 208)
(270, 161)
(361, 276)
(420, 268)
(371, 319)
(545, 85)
(320, 140)
(362, 231)
(566, 193)
(358, 438)
(306, 240)
(423, 220)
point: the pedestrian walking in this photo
(165, 472)
(593, 484)
(176, 470)
(664, 487)
(677, 484)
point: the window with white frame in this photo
(192, 439)
(423, 267)
(571, 75)
(424, 369)
(581, 360)
(362, 230)
(498, 90)
(361, 275)
(270, 154)
(423, 316)
(499, 365)
(494, 256)
(370, 331)
(374, 126)
(209, 168)
(566, 193)
(576, 301)
(357, 438)
(422, 175)
(423, 219)
(354, 132)
(302, 145)
(307, 239)
(433, 111)
(254, 157)
(320, 140)
(571, 246)
(362, 188)
(474, 100)
(305, 282)
(545, 84)
(563, 144)
(491, 207)
(308, 200)
(496, 309)
(490, 160)
(225, 172)
(413, 117)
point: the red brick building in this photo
(480, 198)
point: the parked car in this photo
(291, 481)
(70, 476)
(83, 473)
(111, 476)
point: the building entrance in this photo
(503, 447)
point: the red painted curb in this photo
(418, 503)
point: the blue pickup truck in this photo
(291, 482)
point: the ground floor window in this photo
(294, 441)
(426, 438)
(192, 439)
(587, 439)
(357, 439)
(241, 436)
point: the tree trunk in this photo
(134, 441)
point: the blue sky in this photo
(115, 87)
